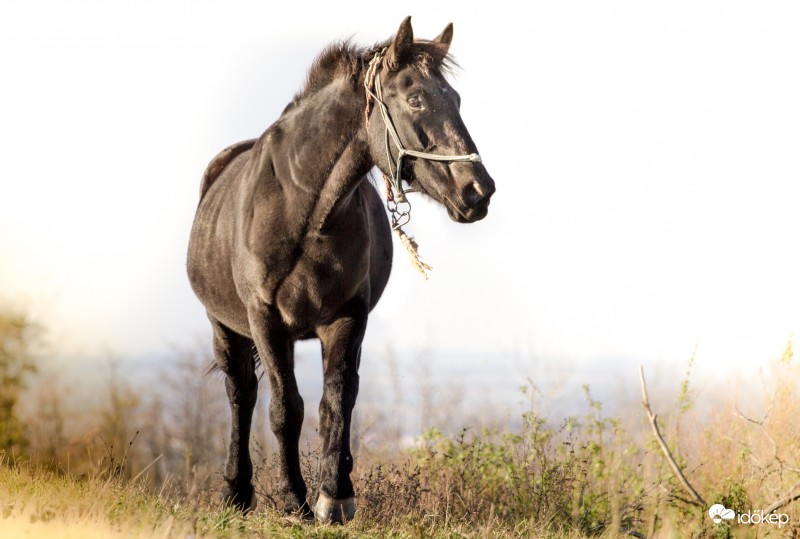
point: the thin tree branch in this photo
(783, 501)
(698, 500)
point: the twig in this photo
(698, 500)
(763, 427)
(147, 467)
(789, 498)
(739, 413)
(783, 501)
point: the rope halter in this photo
(373, 80)
(396, 202)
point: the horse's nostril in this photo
(472, 194)
(478, 192)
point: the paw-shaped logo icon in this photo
(718, 513)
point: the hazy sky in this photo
(646, 155)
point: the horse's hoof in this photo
(240, 500)
(331, 511)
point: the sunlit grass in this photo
(43, 504)
(590, 475)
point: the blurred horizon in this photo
(646, 160)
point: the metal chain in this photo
(400, 213)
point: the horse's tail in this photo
(214, 368)
(222, 160)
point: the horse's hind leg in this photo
(234, 356)
(341, 353)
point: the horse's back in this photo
(221, 161)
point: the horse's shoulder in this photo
(222, 160)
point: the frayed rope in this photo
(413, 252)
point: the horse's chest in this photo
(331, 272)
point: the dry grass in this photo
(586, 476)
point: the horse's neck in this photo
(301, 171)
(325, 149)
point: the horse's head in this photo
(415, 122)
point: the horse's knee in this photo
(286, 412)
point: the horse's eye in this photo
(414, 102)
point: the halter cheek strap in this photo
(373, 80)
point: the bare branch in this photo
(697, 499)
(147, 467)
(762, 426)
(742, 416)
(784, 501)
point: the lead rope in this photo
(400, 212)
(400, 218)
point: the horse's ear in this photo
(400, 47)
(446, 37)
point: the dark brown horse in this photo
(292, 242)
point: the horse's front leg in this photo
(341, 354)
(276, 350)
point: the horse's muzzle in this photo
(473, 203)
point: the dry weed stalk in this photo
(696, 498)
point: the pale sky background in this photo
(646, 155)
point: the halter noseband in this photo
(373, 79)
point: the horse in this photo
(291, 241)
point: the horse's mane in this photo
(342, 59)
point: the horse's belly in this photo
(209, 265)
